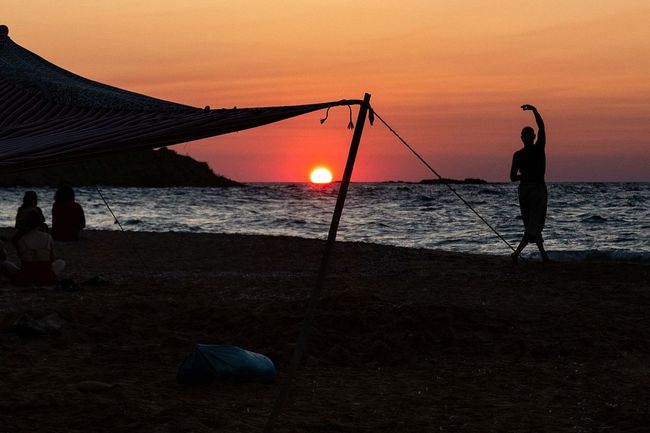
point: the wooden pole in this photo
(329, 246)
(347, 174)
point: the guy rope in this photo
(409, 147)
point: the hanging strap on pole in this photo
(314, 296)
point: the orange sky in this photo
(449, 76)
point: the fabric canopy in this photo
(49, 115)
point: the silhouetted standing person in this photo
(67, 216)
(529, 167)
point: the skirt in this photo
(533, 197)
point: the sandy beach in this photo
(405, 340)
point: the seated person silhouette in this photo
(38, 263)
(67, 216)
(30, 201)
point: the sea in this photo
(586, 221)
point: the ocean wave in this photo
(600, 256)
(290, 221)
(593, 219)
(489, 191)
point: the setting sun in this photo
(320, 175)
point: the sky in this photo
(448, 76)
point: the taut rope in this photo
(442, 179)
(133, 246)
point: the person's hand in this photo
(527, 107)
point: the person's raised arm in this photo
(541, 131)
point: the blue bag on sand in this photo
(209, 362)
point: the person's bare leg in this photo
(542, 252)
(515, 256)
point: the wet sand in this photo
(405, 340)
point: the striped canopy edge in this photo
(50, 116)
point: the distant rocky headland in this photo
(468, 180)
(142, 168)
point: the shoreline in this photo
(530, 254)
(404, 339)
